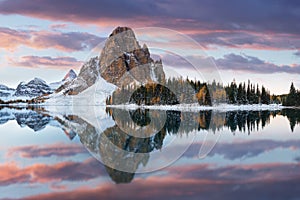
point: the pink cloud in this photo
(46, 62)
(11, 39)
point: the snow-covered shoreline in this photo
(180, 107)
(197, 107)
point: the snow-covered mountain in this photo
(6, 91)
(70, 76)
(33, 88)
(25, 91)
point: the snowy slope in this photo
(94, 95)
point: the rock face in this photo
(33, 88)
(122, 62)
(87, 77)
(70, 76)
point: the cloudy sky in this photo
(256, 40)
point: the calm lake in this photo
(110, 153)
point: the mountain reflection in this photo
(128, 142)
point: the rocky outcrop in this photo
(87, 77)
(69, 77)
(122, 62)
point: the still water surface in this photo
(58, 153)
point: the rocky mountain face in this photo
(70, 76)
(122, 62)
(33, 88)
(87, 77)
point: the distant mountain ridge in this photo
(6, 91)
(32, 89)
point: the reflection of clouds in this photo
(252, 148)
(58, 149)
(199, 182)
(237, 173)
(11, 173)
(243, 149)
(297, 159)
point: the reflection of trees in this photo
(293, 116)
(248, 120)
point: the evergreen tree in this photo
(291, 99)
(248, 93)
(258, 95)
(240, 94)
(244, 94)
(265, 96)
(232, 93)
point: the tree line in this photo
(179, 90)
(173, 91)
(250, 94)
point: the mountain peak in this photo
(70, 75)
(37, 81)
(122, 53)
(119, 29)
(4, 87)
(33, 88)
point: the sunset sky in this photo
(256, 40)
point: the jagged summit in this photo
(37, 81)
(70, 75)
(119, 29)
(122, 53)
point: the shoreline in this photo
(179, 107)
(196, 107)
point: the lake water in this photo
(109, 153)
